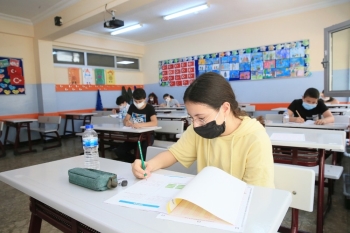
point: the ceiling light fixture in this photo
(188, 11)
(125, 62)
(126, 29)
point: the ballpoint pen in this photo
(142, 161)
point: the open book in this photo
(212, 195)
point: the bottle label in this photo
(90, 142)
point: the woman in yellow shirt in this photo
(220, 135)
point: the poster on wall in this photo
(73, 76)
(11, 76)
(87, 76)
(99, 76)
(285, 60)
(110, 77)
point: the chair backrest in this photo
(177, 167)
(49, 122)
(174, 127)
(103, 113)
(298, 180)
(276, 118)
(1, 126)
(342, 119)
(104, 120)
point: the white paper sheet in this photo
(152, 194)
(288, 137)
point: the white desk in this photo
(341, 111)
(110, 132)
(280, 109)
(170, 108)
(166, 110)
(48, 183)
(173, 115)
(314, 138)
(18, 124)
(338, 105)
(336, 126)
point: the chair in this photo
(300, 182)
(170, 127)
(2, 147)
(103, 113)
(277, 118)
(177, 167)
(95, 120)
(49, 125)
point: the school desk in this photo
(323, 140)
(70, 207)
(18, 124)
(112, 132)
(340, 111)
(85, 117)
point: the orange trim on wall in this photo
(19, 116)
(86, 87)
(269, 106)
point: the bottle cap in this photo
(89, 126)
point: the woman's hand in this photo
(138, 171)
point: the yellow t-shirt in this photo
(246, 153)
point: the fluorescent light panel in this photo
(185, 12)
(126, 29)
(125, 62)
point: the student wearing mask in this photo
(310, 107)
(123, 105)
(220, 135)
(170, 101)
(153, 99)
(140, 114)
(329, 100)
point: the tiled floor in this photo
(14, 205)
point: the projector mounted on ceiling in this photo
(113, 23)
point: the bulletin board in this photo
(285, 60)
(11, 76)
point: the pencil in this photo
(142, 161)
(298, 113)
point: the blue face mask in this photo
(309, 106)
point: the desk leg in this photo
(102, 144)
(17, 140)
(65, 126)
(35, 220)
(72, 120)
(320, 194)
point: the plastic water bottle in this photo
(90, 146)
(285, 117)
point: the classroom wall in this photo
(307, 25)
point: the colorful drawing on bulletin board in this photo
(87, 76)
(99, 76)
(286, 60)
(110, 77)
(11, 76)
(73, 76)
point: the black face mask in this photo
(210, 130)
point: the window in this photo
(100, 60)
(336, 62)
(127, 63)
(68, 57)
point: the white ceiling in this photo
(222, 13)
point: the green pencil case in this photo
(92, 179)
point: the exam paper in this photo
(152, 194)
(288, 137)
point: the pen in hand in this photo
(142, 161)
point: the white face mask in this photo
(139, 105)
(167, 99)
(151, 99)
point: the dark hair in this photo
(120, 100)
(155, 98)
(152, 94)
(171, 97)
(330, 98)
(139, 94)
(212, 89)
(166, 95)
(312, 92)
